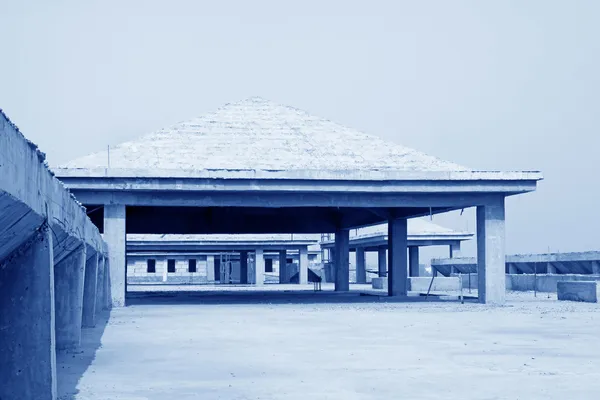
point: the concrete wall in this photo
(137, 270)
(528, 282)
(41, 227)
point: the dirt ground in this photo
(186, 348)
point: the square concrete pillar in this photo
(342, 260)
(413, 261)
(491, 253)
(89, 291)
(100, 300)
(210, 268)
(361, 269)
(115, 237)
(243, 267)
(69, 277)
(27, 341)
(382, 262)
(259, 268)
(283, 275)
(303, 266)
(397, 257)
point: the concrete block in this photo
(588, 292)
(379, 283)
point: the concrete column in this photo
(259, 268)
(69, 277)
(454, 253)
(115, 237)
(210, 268)
(397, 257)
(491, 253)
(89, 291)
(454, 250)
(27, 357)
(382, 262)
(332, 269)
(100, 300)
(303, 266)
(283, 275)
(342, 260)
(413, 261)
(596, 267)
(361, 269)
(243, 267)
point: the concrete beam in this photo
(342, 260)
(275, 200)
(397, 257)
(361, 269)
(303, 266)
(115, 237)
(28, 358)
(491, 253)
(69, 277)
(90, 291)
(370, 178)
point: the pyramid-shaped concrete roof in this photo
(257, 134)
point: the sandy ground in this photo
(182, 348)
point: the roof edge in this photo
(362, 175)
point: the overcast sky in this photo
(498, 85)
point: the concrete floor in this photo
(182, 349)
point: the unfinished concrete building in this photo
(223, 259)
(54, 276)
(286, 171)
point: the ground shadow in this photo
(70, 366)
(274, 297)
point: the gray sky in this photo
(503, 85)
